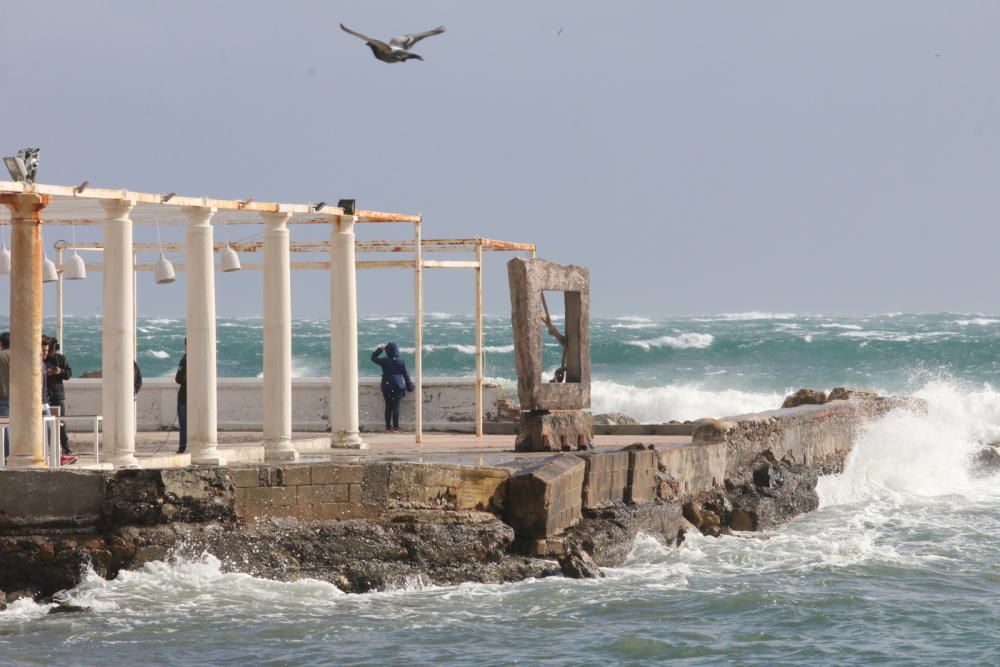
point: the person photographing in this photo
(395, 382)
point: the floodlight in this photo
(83, 186)
(74, 268)
(15, 166)
(164, 272)
(167, 197)
(230, 260)
(49, 273)
(319, 207)
(349, 206)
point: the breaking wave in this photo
(680, 402)
(684, 341)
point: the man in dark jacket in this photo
(57, 371)
(181, 378)
(395, 382)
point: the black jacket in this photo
(57, 393)
(181, 378)
(394, 375)
(136, 378)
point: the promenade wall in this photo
(448, 403)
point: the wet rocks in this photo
(986, 462)
(578, 564)
(805, 397)
(66, 608)
(613, 419)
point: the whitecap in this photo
(685, 341)
(681, 402)
(159, 354)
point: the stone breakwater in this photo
(374, 524)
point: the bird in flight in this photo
(398, 48)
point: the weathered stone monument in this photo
(555, 413)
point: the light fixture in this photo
(163, 274)
(49, 273)
(23, 167)
(74, 268)
(83, 186)
(167, 197)
(349, 206)
(230, 260)
(319, 207)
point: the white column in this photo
(118, 336)
(343, 338)
(418, 332)
(277, 340)
(26, 438)
(202, 421)
(479, 339)
(59, 297)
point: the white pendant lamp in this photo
(163, 274)
(164, 271)
(74, 268)
(230, 260)
(4, 253)
(49, 273)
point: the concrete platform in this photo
(156, 449)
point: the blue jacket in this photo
(394, 375)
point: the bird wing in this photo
(406, 41)
(368, 39)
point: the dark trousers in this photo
(182, 422)
(63, 436)
(392, 398)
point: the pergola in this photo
(34, 205)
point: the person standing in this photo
(5, 385)
(182, 413)
(395, 382)
(58, 371)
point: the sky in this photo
(698, 157)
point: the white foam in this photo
(835, 325)
(746, 317)
(681, 402)
(159, 354)
(684, 341)
(459, 347)
(979, 321)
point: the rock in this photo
(614, 418)
(692, 512)
(986, 462)
(3, 601)
(805, 397)
(65, 608)
(507, 411)
(709, 430)
(846, 393)
(608, 534)
(578, 564)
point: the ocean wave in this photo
(459, 347)
(894, 337)
(745, 317)
(634, 325)
(159, 354)
(685, 341)
(979, 321)
(851, 327)
(681, 402)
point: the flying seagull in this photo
(397, 50)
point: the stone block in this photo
(296, 475)
(47, 497)
(482, 488)
(245, 477)
(545, 497)
(354, 494)
(605, 479)
(642, 469)
(271, 496)
(558, 431)
(338, 473)
(528, 279)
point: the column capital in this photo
(275, 219)
(345, 223)
(27, 205)
(117, 209)
(199, 215)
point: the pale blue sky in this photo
(697, 156)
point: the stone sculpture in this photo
(555, 414)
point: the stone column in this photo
(343, 338)
(118, 336)
(277, 340)
(202, 422)
(27, 444)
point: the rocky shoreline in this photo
(375, 526)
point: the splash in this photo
(684, 341)
(681, 402)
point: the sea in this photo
(899, 565)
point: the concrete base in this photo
(554, 431)
(283, 453)
(347, 441)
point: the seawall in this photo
(372, 523)
(448, 403)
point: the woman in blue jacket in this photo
(395, 382)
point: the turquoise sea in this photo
(898, 566)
